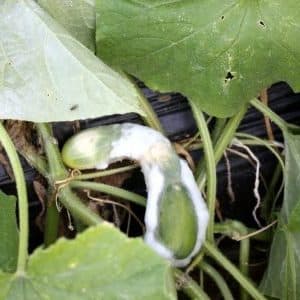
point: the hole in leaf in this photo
(73, 107)
(229, 77)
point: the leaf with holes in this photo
(100, 263)
(47, 75)
(9, 233)
(282, 278)
(77, 16)
(220, 54)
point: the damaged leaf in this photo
(219, 54)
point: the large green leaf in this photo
(47, 75)
(77, 16)
(282, 278)
(9, 234)
(219, 54)
(100, 263)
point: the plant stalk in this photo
(233, 228)
(99, 174)
(35, 160)
(189, 286)
(218, 129)
(268, 200)
(22, 199)
(222, 143)
(218, 279)
(236, 274)
(265, 110)
(58, 172)
(78, 210)
(151, 118)
(51, 219)
(210, 168)
(111, 190)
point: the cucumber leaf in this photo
(9, 233)
(77, 16)
(282, 278)
(47, 75)
(219, 54)
(100, 263)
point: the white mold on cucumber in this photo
(176, 216)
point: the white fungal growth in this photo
(161, 167)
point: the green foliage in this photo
(100, 263)
(9, 234)
(47, 75)
(77, 16)
(282, 278)
(220, 54)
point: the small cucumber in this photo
(178, 224)
(90, 147)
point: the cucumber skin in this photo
(90, 147)
(178, 225)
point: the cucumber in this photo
(176, 216)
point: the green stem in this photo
(190, 287)
(58, 172)
(196, 261)
(265, 110)
(236, 274)
(57, 169)
(22, 198)
(268, 199)
(79, 211)
(51, 221)
(35, 160)
(191, 141)
(234, 228)
(111, 190)
(222, 143)
(104, 173)
(218, 279)
(218, 129)
(210, 168)
(151, 118)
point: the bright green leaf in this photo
(282, 278)
(220, 54)
(100, 263)
(47, 75)
(77, 16)
(9, 234)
